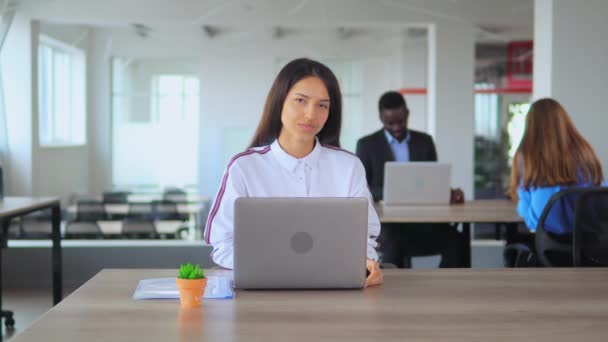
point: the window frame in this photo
(78, 89)
(121, 116)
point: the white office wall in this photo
(415, 61)
(231, 106)
(380, 68)
(235, 79)
(579, 73)
(99, 121)
(58, 171)
(33, 170)
(17, 84)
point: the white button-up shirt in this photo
(270, 172)
(401, 150)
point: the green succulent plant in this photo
(189, 271)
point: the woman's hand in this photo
(375, 276)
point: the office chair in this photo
(175, 195)
(543, 248)
(138, 228)
(591, 228)
(167, 210)
(583, 209)
(85, 224)
(555, 250)
(139, 222)
(115, 197)
(36, 225)
(14, 230)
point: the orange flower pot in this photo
(191, 291)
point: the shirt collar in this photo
(392, 139)
(289, 162)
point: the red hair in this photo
(552, 151)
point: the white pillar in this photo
(17, 82)
(453, 58)
(99, 120)
(578, 73)
(543, 41)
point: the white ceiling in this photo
(500, 20)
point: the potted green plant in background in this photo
(191, 283)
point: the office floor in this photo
(27, 306)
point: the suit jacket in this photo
(374, 151)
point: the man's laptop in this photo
(300, 243)
(416, 183)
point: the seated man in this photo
(395, 142)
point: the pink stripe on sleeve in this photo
(223, 189)
(339, 149)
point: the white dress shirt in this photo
(269, 171)
(401, 149)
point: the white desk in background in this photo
(157, 197)
(123, 209)
(114, 227)
(193, 210)
(154, 196)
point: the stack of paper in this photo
(166, 288)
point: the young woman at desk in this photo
(294, 153)
(552, 156)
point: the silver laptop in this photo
(300, 243)
(416, 183)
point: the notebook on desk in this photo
(416, 183)
(300, 243)
(166, 288)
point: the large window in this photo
(61, 94)
(516, 125)
(489, 149)
(487, 113)
(155, 124)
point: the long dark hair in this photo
(552, 151)
(270, 124)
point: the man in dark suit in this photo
(395, 142)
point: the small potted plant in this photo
(191, 283)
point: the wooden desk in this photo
(478, 211)
(413, 305)
(11, 207)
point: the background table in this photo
(416, 305)
(500, 211)
(11, 207)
